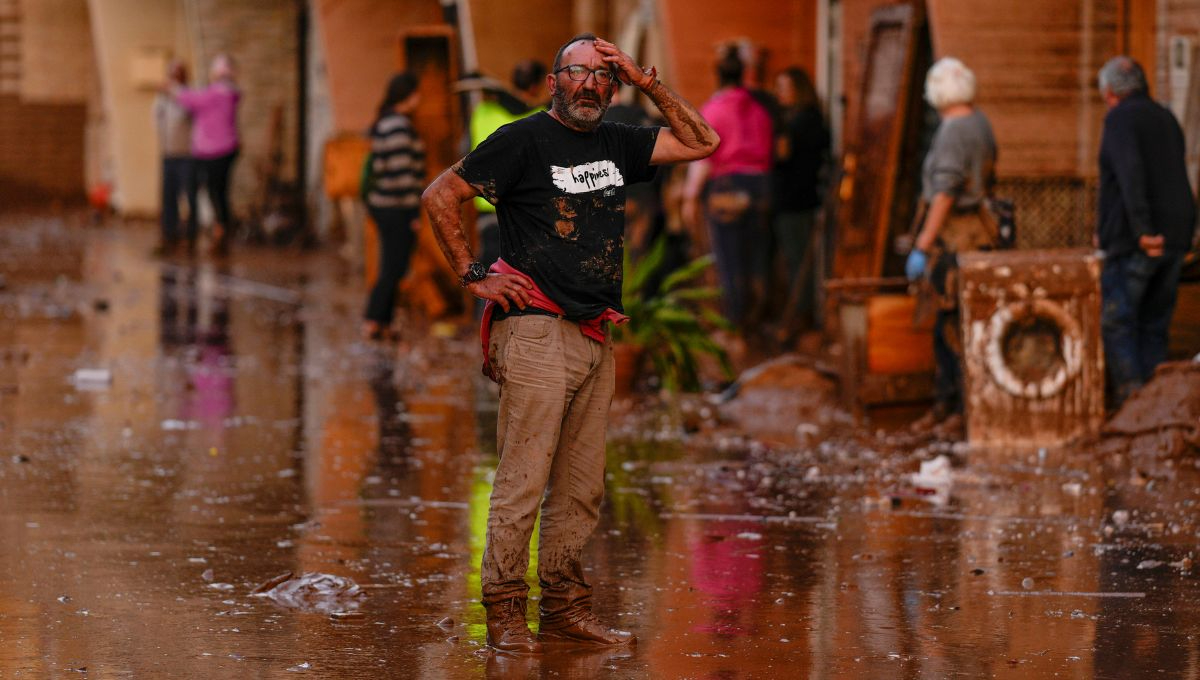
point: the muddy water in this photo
(245, 433)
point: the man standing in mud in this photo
(558, 181)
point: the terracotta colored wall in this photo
(507, 32)
(1041, 97)
(786, 28)
(56, 50)
(41, 151)
(360, 50)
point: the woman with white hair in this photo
(956, 180)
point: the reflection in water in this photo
(246, 433)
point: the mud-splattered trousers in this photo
(556, 386)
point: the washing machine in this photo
(1033, 359)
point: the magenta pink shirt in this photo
(214, 119)
(746, 133)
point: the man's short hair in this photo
(949, 82)
(572, 41)
(1122, 76)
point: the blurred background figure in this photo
(498, 108)
(1146, 218)
(956, 178)
(393, 197)
(733, 186)
(801, 155)
(174, 126)
(215, 141)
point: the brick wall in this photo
(41, 151)
(263, 40)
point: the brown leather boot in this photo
(586, 629)
(507, 630)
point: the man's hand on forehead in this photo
(626, 68)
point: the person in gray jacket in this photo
(174, 126)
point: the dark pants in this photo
(396, 241)
(947, 375)
(793, 231)
(736, 212)
(178, 175)
(214, 174)
(1139, 299)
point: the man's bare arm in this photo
(443, 201)
(689, 137)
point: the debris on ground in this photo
(313, 591)
(787, 398)
(1161, 418)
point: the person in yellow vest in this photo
(499, 108)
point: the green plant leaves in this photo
(672, 323)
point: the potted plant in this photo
(670, 324)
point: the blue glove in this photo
(914, 267)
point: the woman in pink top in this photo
(733, 186)
(215, 140)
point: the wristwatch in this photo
(476, 272)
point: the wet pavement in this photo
(174, 433)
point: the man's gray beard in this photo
(575, 115)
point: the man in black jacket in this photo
(1146, 219)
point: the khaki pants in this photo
(556, 386)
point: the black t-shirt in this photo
(560, 198)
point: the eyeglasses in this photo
(579, 73)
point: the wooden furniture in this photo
(886, 358)
(1034, 365)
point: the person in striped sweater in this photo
(393, 196)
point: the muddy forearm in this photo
(686, 123)
(443, 204)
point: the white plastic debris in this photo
(934, 474)
(92, 379)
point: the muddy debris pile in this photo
(1161, 418)
(788, 399)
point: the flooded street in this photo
(176, 432)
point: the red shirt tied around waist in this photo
(592, 328)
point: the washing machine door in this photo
(1033, 348)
